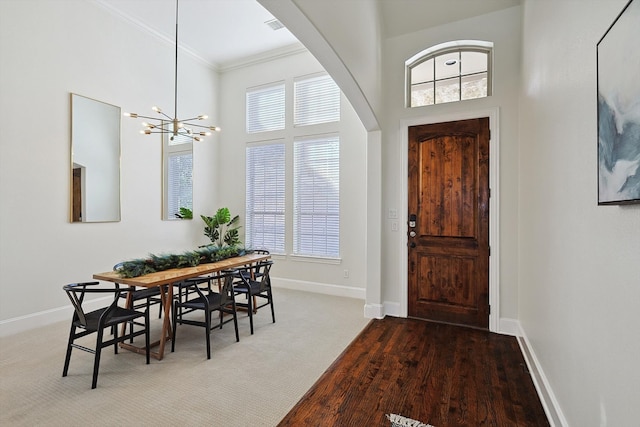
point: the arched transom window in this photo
(449, 72)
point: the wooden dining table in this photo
(169, 278)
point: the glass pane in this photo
(316, 100)
(474, 86)
(422, 95)
(474, 62)
(265, 197)
(316, 194)
(447, 65)
(265, 109)
(447, 90)
(422, 73)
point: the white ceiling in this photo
(217, 31)
(222, 32)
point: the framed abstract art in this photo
(618, 62)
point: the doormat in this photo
(400, 421)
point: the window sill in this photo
(316, 259)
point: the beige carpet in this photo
(251, 383)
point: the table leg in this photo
(166, 296)
(128, 304)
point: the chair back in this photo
(75, 292)
(226, 290)
(261, 273)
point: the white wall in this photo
(359, 50)
(503, 28)
(47, 50)
(321, 277)
(579, 263)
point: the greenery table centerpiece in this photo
(221, 229)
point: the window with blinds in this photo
(265, 108)
(265, 197)
(316, 100)
(179, 183)
(315, 169)
(316, 196)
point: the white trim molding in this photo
(509, 327)
(47, 317)
(319, 288)
(374, 311)
(545, 393)
(494, 204)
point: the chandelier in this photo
(172, 125)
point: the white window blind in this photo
(316, 100)
(265, 197)
(316, 195)
(179, 182)
(265, 108)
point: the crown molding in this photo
(282, 52)
(155, 33)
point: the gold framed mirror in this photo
(95, 160)
(177, 177)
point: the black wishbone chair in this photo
(84, 323)
(255, 273)
(149, 296)
(208, 301)
(255, 282)
(186, 287)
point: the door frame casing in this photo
(494, 204)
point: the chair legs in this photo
(207, 326)
(250, 311)
(235, 323)
(207, 333)
(252, 307)
(67, 358)
(99, 345)
(174, 323)
(96, 360)
(147, 337)
(273, 314)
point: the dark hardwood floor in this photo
(436, 373)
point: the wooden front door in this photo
(448, 240)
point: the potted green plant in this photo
(185, 213)
(221, 228)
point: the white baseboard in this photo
(545, 393)
(319, 288)
(392, 309)
(43, 318)
(374, 311)
(378, 311)
(509, 327)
